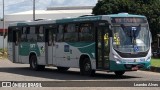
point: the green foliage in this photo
(155, 62)
(1, 49)
(149, 8)
(3, 55)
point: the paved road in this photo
(21, 72)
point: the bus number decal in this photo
(32, 45)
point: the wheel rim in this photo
(87, 67)
(119, 73)
(33, 63)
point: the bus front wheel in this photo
(119, 73)
(34, 65)
(86, 68)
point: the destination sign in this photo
(128, 20)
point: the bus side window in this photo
(70, 33)
(54, 35)
(50, 41)
(86, 32)
(10, 34)
(106, 39)
(16, 35)
(60, 33)
(40, 34)
(31, 35)
(24, 35)
(17, 39)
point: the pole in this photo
(33, 10)
(3, 27)
(158, 42)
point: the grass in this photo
(3, 55)
(155, 62)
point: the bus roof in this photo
(65, 20)
(125, 15)
(83, 18)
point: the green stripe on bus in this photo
(85, 47)
(120, 67)
(25, 49)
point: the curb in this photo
(153, 69)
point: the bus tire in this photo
(86, 68)
(34, 65)
(62, 68)
(119, 73)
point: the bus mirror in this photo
(150, 36)
(110, 27)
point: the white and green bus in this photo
(113, 43)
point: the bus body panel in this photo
(24, 59)
(24, 52)
(25, 49)
(42, 56)
(51, 55)
(16, 54)
(68, 54)
(10, 51)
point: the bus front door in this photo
(51, 46)
(16, 39)
(102, 48)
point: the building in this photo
(49, 13)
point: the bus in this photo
(112, 43)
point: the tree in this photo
(149, 8)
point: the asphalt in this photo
(21, 72)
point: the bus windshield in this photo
(128, 39)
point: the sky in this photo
(14, 6)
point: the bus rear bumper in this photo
(128, 67)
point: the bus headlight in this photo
(118, 61)
(148, 59)
(115, 56)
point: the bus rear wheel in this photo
(34, 65)
(86, 68)
(62, 68)
(119, 73)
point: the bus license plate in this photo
(140, 60)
